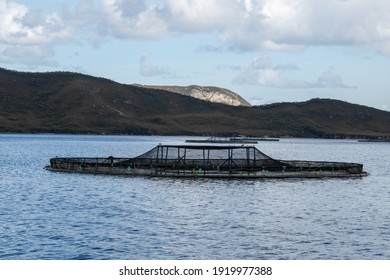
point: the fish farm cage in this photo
(207, 161)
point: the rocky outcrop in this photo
(211, 94)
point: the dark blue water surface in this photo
(47, 215)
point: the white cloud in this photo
(293, 24)
(262, 72)
(87, 22)
(285, 25)
(330, 79)
(28, 55)
(21, 26)
(133, 19)
(239, 25)
(148, 69)
(27, 36)
(202, 15)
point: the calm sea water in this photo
(46, 215)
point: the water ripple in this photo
(48, 215)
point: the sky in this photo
(265, 50)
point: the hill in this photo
(63, 102)
(212, 94)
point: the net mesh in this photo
(208, 157)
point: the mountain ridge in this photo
(207, 93)
(65, 102)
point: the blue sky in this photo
(265, 50)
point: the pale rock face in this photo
(211, 94)
(216, 96)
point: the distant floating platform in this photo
(217, 140)
(255, 139)
(374, 140)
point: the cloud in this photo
(243, 25)
(148, 69)
(88, 23)
(239, 25)
(201, 15)
(29, 55)
(293, 24)
(285, 25)
(22, 26)
(262, 72)
(330, 79)
(133, 19)
(209, 48)
(28, 36)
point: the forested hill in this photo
(64, 102)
